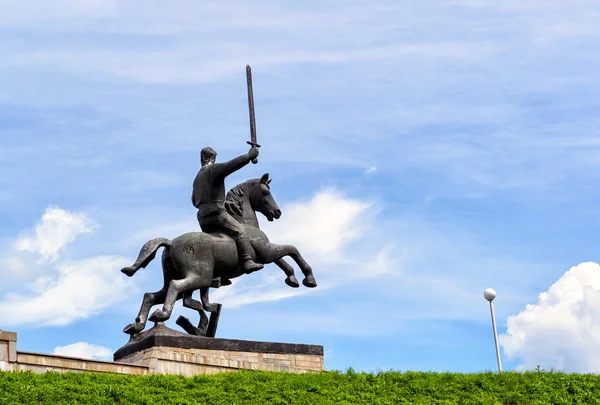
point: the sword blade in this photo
(251, 105)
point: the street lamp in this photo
(489, 294)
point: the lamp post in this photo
(489, 294)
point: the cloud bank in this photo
(56, 230)
(62, 290)
(562, 330)
(321, 228)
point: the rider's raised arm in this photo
(226, 168)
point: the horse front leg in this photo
(291, 279)
(276, 252)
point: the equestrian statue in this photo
(231, 243)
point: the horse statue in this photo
(197, 260)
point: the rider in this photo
(208, 196)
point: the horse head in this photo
(262, 200)
(252, 196)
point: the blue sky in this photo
(420, 154)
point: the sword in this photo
(252, 140)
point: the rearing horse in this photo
(191, 261)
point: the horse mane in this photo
(234, 200)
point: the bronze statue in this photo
(191, 261)
(230, 245)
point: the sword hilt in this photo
(254, 145)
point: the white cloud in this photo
(62, 291)
(321, 226)
(561, 331)
(321, 229)
(57, 229)
(79, 290)
(84, 350)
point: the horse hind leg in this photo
(155, 298)
(150, 299)
(189, 268)
(200, 330)
(210, 307)
(215, 313)
(175, 290)
(191, 303)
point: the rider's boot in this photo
(244, 250)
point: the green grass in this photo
(249, 387)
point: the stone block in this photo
(8, 336)
(280, 362)
(308, 365)
(4, 351)
(303, 357)
(134, 358)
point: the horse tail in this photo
(147, 254)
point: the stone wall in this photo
(158, 359)
(40, 363)
(13, 360)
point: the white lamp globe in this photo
(489, 294)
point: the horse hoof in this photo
(128, 271)
(133, 328)
(309, 282)
(158, 316)
(292, 281)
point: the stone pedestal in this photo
(167, 351)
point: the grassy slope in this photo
(278, 388)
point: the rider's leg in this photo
(244, 253)
(236, 231)
(211, 224)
